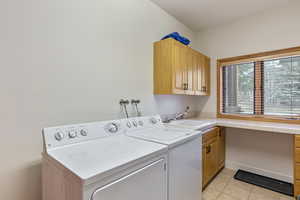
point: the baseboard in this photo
(236, 166)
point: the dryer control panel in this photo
(75, 133)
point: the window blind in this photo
(282, 86)
(238, 88)
(266, 87)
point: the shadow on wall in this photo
(201, 102)
(171, 104)
(34, 178)
(22, 183)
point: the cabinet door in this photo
(210, 164)
(179, 68)
(296, 188)
(191, 70)
(221, 148)
(199, 74)
(204, 174)
(206, 76)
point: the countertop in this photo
(204, 123)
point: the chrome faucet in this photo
(182, 115)
(178, 116)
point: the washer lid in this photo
(100, 157)
(165, 135)
(194, 124)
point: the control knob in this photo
(83, 132)
(128, 124)
(153, 120)
(59, 135)
(134, 123)
(112, 128)
(72, 134)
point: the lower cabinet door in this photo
(221, 148)
(210, 164)
(147, 183)
(204, 174)
(297, 187)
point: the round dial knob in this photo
(129, 125)
(59, 135)
(134, 123)
(153, 120)
(83, 132)
(141, 123)
(72, 134)
(112, 128)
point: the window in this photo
(238, 87)
(264, 85)
(282, 86)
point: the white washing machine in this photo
(184, 154)
(96, 161)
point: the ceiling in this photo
(202, 14)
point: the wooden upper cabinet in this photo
(178, 69)
(206, 86)
(190, 70)
(202, 79)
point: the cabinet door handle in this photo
(185, 86)
(208, 149)
(203, 89)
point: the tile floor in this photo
(225, 187)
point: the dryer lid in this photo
(99, 157)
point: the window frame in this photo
(257, 57)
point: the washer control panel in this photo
(139, 123)
(69, 134)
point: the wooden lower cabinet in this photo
(221, 147)
(297, 155)
(297, 187)
(210, 161)
(297, 165)
(213, 154)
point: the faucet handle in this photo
(124, 102)
(133, 101)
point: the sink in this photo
(194, 124)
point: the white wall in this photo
(265, 153)
(271, 30)
(66, 61)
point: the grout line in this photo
(251, 190)
(229, 178)
(222, 191)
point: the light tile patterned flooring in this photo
(225, 187)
